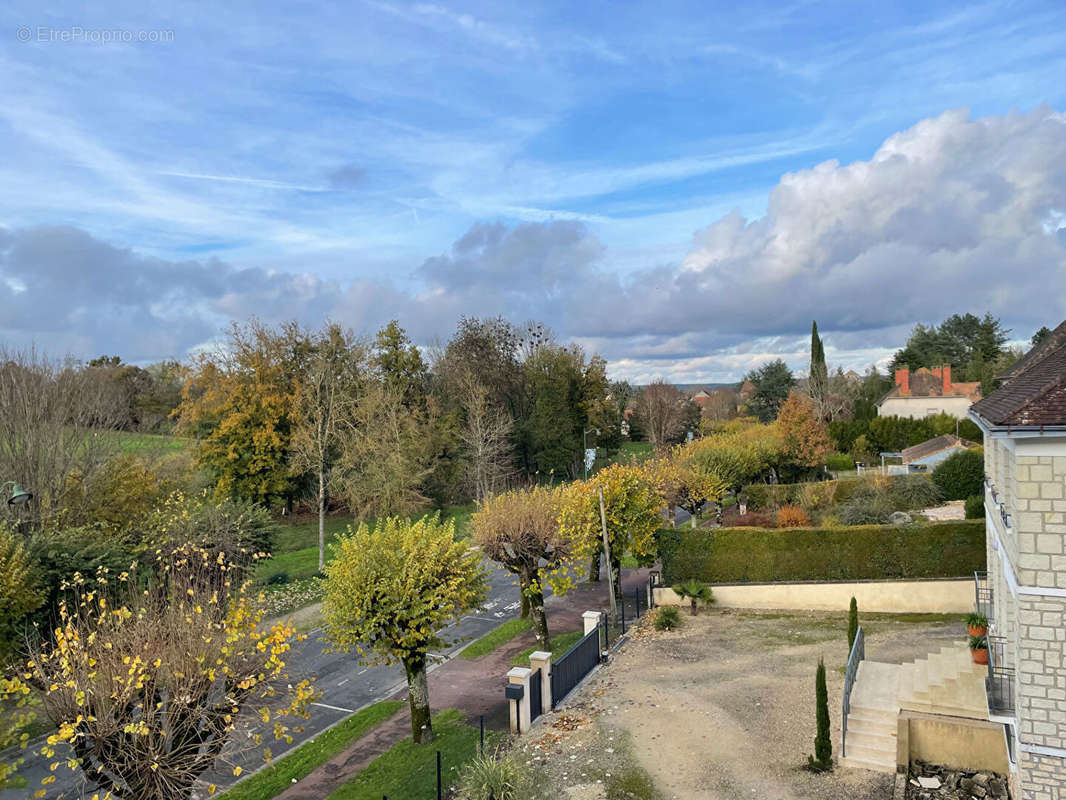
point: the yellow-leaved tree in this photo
(632, 507)
(390, 590)
(147, 673)
(520, 529)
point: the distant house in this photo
(927, 392)
(925, 456)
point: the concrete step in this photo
(877, 765)
(875, 716)
(873, 740)
(870, 758)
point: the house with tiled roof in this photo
(1023, 593)
(927, 392)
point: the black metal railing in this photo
(858, 653)
(575, 664)
(999, 685)
(536, 702)
(982, 595)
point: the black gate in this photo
(536, 704)
(575, 664)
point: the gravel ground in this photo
(722, 709)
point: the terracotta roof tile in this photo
(1035, 394)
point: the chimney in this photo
(903, 380)
(947, 379)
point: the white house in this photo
(927, 392)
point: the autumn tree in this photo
(661, 409)
(240, 404)
(805, 437)
(486, 438)
(334, 372)
(146, 677)
(633, 511)
(384, 455)
(520, 529)
(391, 589)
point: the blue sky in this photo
(295, 154)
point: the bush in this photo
(495, 778)
(839, 461)
(866, 507)
(667, 618)
(912, 492)
(755, 519)
(792, 517)
(975, 507)
(870, 552)
(278, 579)
(960, 475)
(19, 594)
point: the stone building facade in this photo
(1024, 594)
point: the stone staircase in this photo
(946, 682)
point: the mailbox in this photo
(515, 691)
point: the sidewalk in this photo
(473, 687)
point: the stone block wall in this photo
(1041, 777)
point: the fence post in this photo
(440, 794)
(542, 660)
(482, 735)
(623, 605)
(520, 719)
(589, 620)
(636, 599)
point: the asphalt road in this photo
(344, 684)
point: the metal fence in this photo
(858, 653)
(575, 664)
(982, 595)
(999, 685)
(536, 703)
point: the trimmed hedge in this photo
(867, 552)
(901, 492)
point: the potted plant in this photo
(976, 624)
(979, 649)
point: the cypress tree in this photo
(818, 376)
(853, 623)
(823, 748)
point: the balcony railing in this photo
(999, 685)
(982, 595)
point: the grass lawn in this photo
(154, 444)
(307, 757)
(408, 771)
(496, 638)
(561, 642)
(629, 452)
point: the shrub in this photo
(755, 519)
(695, 592)
(792, 517)
(278, 579)
(950, 549)
(839, 461)
(667, 618)
(823, 746)
(872, 509)
(960, 475)
(494, 778)
(975, 507)
(18, 592)
(911, 492)
(853, 623)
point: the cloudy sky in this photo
(681, 187)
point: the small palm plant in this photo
(696, 591)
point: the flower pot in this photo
(973, 630)
(980, 656)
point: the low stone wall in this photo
(954, 742)
(932, 597)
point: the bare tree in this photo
(486, 437)
(333, 370)
(662, 408)
(55, 421)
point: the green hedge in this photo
(767, 496)
(863, 552)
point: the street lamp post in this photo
(18, 494)
(585, 442)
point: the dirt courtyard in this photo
(721, 709)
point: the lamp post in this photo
(585, 442)
(18, 494)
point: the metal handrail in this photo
(999, 686)
(858, 653)
(982, 594)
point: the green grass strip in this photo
(278, 777)
(560, 644)
(496, 638)
(408, 771)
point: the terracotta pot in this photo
(979, 656)
(975, 631)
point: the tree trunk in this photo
(524, 613)
(533, 593)
(321, 520)
(418, 699)
(594, 566)
(616, 567)
(693, 611)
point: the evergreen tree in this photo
(823, 747)
(853, 623)
(1040, 336)
(773, 381)
(818, 378)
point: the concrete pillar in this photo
(520, 720)
(543, 661)
(591, 619)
